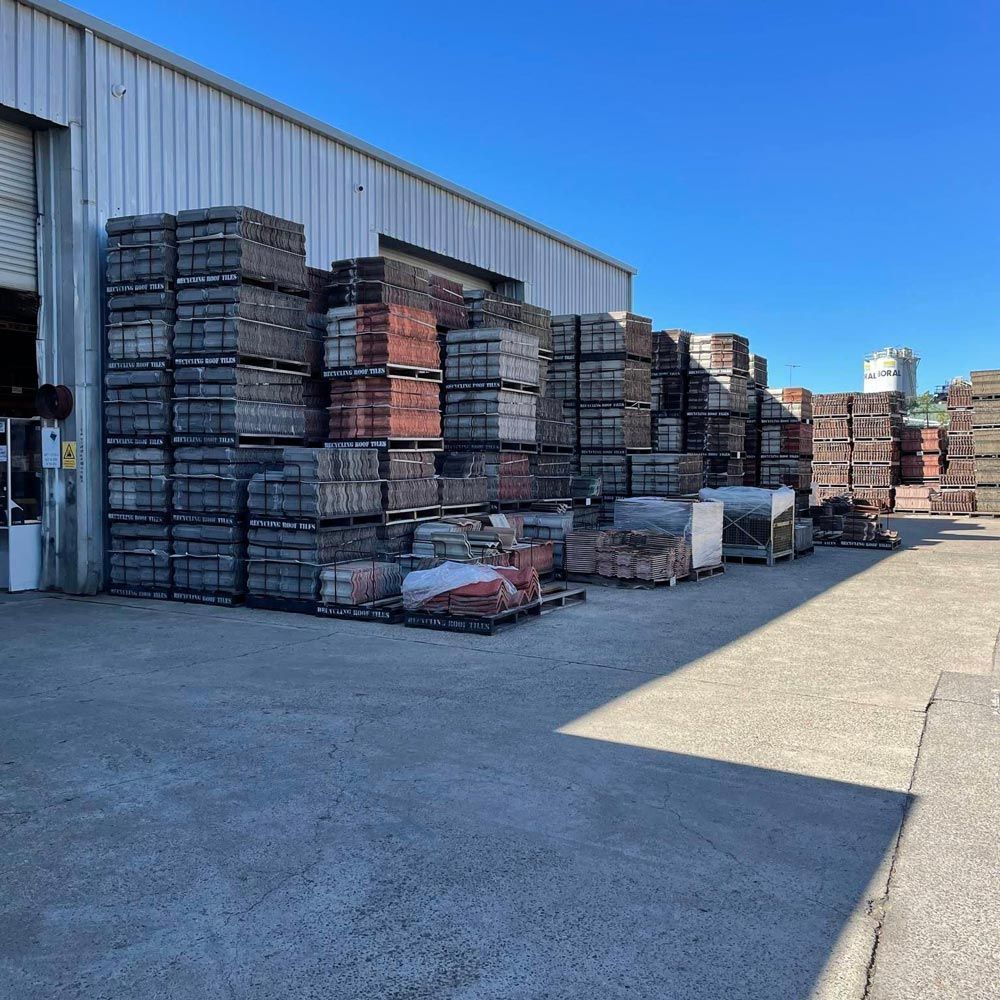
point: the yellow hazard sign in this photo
(69, 455)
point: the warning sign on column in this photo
(69, 455)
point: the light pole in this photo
(790, 368)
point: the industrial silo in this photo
(892, 369)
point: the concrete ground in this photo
(779, 783)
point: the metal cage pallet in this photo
(759, 556)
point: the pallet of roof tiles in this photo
(831, 473)
(236, 420)
(959, 394)
(611, 469)
(985, 383)
(724, 470)
(379, 336)
(137, 403)
(616, 333)
(377, 281)
(716, 434)
(831, 451)
(563, 380)
(448, 303)
(986, 444)
(988, 499)
(880, 450)
(853, 522)
(551, 476)
(671, 352)
(913, 499)
(139, 560)
(493, 310)
(209, 563)
(234, 239)
(918, 440)
(317, 304)
(553, 430)
(373, 408)
(832, 404)
(614, 381)
(565, 336)
(959, 472)
(786, 439)
(878, 404)
(698, 522)
(508, 476)
(617, 555)
(360, 581)
(786, 405)
(985, 416)
(244, 320)
(758, 370)
(758, 524)
(954, 501)
(139, 479)
(725, 353)
(959, 422)
(880, 497)
(536, 555)
(832, 429)
(480, 415)
(707, 391)
(492, 354)
(551, 527)
(284, 563)
(214, 481)
(793, 472)
(667, 475)
(140, 329)
(874, 475)
(668, 394)
(803, 536)
(142, 251)
(300, 489)
(667, 433)
(604, 428)
(922, 468)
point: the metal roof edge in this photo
(140, 45)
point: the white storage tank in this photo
(892, 369)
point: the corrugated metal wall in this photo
(174, 142)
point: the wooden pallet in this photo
(384, 371)
(596, 580)
(764, 559)
(706, 572)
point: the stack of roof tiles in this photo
(614, 386)
(717, 404)
(831, 464)
(986, 438)
(666, 474)
(671, 360)
(958, 482)
(490, 403)
(318, 508)
(786, 437)
(850, 519)
(242, 362)
(448, 304)
(876, 432)
(627, 555)
(462, 479)
(923, 456)
(359, 581)
(140, 276)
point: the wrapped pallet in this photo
(756, 522)
(700, 523)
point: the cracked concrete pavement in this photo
(779, 783)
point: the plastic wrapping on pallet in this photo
(700, 523)
(755, 518)
(422, 586)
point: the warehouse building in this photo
(96, 123)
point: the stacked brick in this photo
(958, 482)
(717, 405)
(242, 364)
(986, 438)
(614, 388)
(786, 437)
(140, 276)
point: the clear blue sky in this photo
(819, 177)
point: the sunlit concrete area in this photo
(777, 783)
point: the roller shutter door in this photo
(18, 262)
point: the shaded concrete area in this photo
(693, 793)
